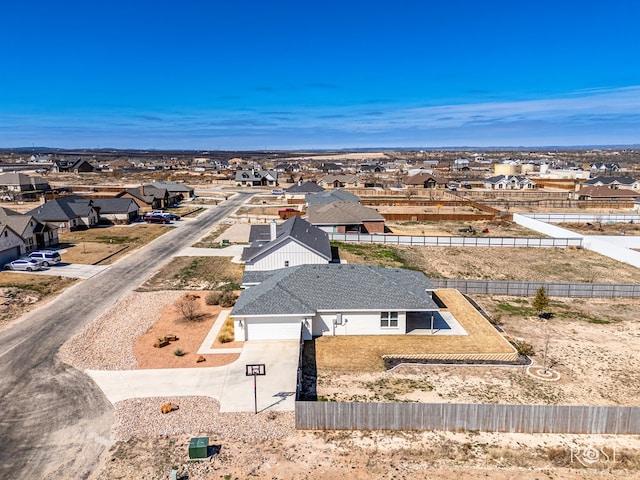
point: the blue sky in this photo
(333, 74)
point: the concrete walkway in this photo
(228, 384)
(206, 347)
(234, 251)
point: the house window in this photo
(389, 319)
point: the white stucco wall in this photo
(356, 323)
(291, 251)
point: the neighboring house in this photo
(300, 190)
(424, 180)
(148, 197)
(372, 167)
(613, 182)
(173, 188)
(606, 193)
(345, 217)
(19, 182)
(73, 213)
(34, 233)
(331, 196)
(73, 166)
(11, 244)
(330, 167)
(292, 243)
(509, 182)
(600, 167)
(287, 168)
(339, 181)
(332, 299)
(257, 178)
(116, 210)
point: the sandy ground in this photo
(190, 336)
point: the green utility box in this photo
(198, 447)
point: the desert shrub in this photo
(226, 337)
(178, 352)
(524, 348)
(213, 298)
(188, 307)
(227, 299)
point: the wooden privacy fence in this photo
(467, 417)
(529, 289)
(428, 241)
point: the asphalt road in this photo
(54, 421)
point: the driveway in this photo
(228, 384)
(73, 270)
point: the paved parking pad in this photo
(228, 384)
(72, 270)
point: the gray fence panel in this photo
(529, 289)
(472, 417)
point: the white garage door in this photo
(288, 329)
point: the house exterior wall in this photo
(374, 227)
(356, 323)
(291, 252)
(9, 239)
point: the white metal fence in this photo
(428, 241)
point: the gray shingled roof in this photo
(62, 209)
(294, 228)
(113, 205)
(342, 213)
(331, 196)
(171, 186)
(306, 187)
(306, 289)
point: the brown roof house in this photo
(345, 217)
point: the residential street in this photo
(54, 421)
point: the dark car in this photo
(156, 219)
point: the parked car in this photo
(169, 215)
(24, 264)
(277, 192)
(45, 257)
(156, 219)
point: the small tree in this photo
(541, 301)
(188, 307)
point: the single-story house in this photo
(300, 190)
(613, 182)
(72, 213)
(80, 165)
(292, 243)
(174, 188)
(116, 210)
(148, 197)
(606, 193)
(424, 180)
(345, 217)
(509, 182)
(35, 234)
(19, 182)
(331, 196)
(339, 181)
(332, 299)
(256, 178)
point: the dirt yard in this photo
(592, 344)
(496, 228)
(490, 263)
(190, 335)
(599, 228)
(195, 273)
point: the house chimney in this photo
(272, 231)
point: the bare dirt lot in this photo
(496, 228)
(195, 273)
(20, 293)
(531, 264)
(602, 228)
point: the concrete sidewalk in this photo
(228, 384)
